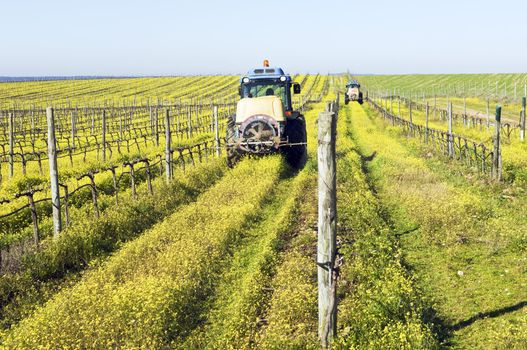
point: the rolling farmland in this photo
(163, 246)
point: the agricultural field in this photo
(164, 246)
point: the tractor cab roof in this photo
(267, 73)
(353, 83)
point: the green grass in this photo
(89, 240)
(514, 152)
(149, 292)
(463, 239)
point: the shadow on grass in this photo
(491, 314)
(399, 234)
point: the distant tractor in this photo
(265, 121)
(353, 92)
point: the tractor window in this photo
(267, 89)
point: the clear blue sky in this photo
(162, 37)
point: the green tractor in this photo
(353, 92)
(265, 121)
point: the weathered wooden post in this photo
(496, 155)
(11, 121)
(327, 228)
(168, 145)
(410, 112)
(216, 132)
(32, 131)
(522, 119)
(103, 135)
(92, 114)
(151, 113)
(73, 128)
(450, 135)
(426, 122)
(156, 128)
(53, 173)
(189, 122)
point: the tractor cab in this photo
(353, 84)
(267, 81)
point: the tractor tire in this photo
(232, 153)
(295, 131)
(346, 99)
(361, 101)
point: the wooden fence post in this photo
(156, 128)
(189, 122)
(168, 145)
(522, 119)
(216, 132)
(11, 144)
(496, 155)
(32, 131)
(426, 123)
(327, 228)
(53, 173)
(450, 136)
(103, 135)
(151, 113)
(73, 128)
(410, 112)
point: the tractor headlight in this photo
(283, 78)
(246, 80)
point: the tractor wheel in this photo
(232, 153)
(346, 99)
(296, 155)
(361, 101)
